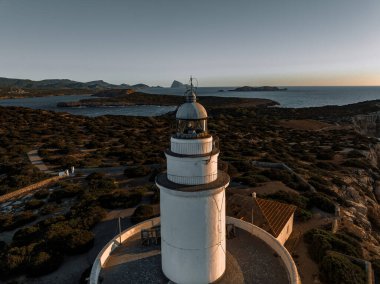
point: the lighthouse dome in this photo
(191, 111)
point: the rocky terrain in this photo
(368, 124)
(321, 145)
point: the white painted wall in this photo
(191, 146)
(252, 229)
(193, 238)
(114, 243)
(192, 170)
(286, 231)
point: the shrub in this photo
(26, 235)
(34, 204)
(14, 261)
(41, 194)
(338, 269)
(355, 154)
(321, 241)
(49, 208)
(325, 154)
(85, 217)
(290, 198)
(302, 214)
(326, 166)
(247, 180)
(67, 190)
(57, 235)
(357, 163)
(80, 241)
(242, 165)
(142, 213)
(101, 184)
(322, 202)
(9, 222)
(136, 171)
(120, 199)
(277, 174)
(95, 176)
(43, 263)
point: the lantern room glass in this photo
(191, 127)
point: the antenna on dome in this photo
(191, 84)
(190, 93)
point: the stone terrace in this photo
(249, 260)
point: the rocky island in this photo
(118, 97)
(258, 89)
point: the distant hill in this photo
(61, 84)
(140, 86)
(177, 84)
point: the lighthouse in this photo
(192, 200)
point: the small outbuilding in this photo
(274, 217)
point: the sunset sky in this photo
(220, 42)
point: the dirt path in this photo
(307, 268)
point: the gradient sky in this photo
(220, 42)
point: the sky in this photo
(220, 42)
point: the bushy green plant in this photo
(322, 202)
(27, 235)
(120, 199)
(321, 241)
(338, 269)
(41, 194)
(142, 213)
(290, 198)
(34, 204)
(136, 171)
(10, 222)
(43, 263)
(80, 241)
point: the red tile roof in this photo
(269, 215)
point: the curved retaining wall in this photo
(273, 243)
(114, 243)
(254, 230)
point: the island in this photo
(120, 98)
(258, 89)
(177, 84)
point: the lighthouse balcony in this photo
(222, 181)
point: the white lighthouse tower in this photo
(192, 194)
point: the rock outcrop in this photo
(177, 84)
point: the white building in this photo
(192, 201)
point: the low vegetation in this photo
(72, 209)
(330, 252)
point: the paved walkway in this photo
(249, 260)
(36, 160)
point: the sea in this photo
(293, 97)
